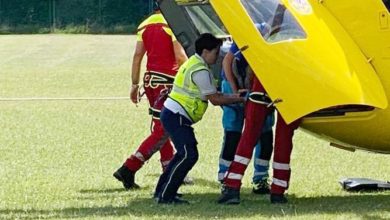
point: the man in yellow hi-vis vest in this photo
(192, 89)
(164, 56)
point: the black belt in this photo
(260, 98)
(155, 113)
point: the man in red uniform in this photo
(256, 110)
(164, 56)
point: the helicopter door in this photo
(304, 58)
(184, 31)
(189, 19)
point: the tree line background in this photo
(72, 16)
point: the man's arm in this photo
(225, 99)
(227, 68)
(135, 70)
(203, 80)
(180, 54)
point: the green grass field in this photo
(57, 157)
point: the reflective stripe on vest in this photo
(185, 91)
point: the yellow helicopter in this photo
(327, 61)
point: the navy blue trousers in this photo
(183, 137)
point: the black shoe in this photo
(126, 176)
(175, 201)
(179, 195)
(261, 187)
(229, 196)
(188, 181)
(278, 198)
(222, 187)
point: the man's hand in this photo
(243, 93)
(135, 71)
(134, 93)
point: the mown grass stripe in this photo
(60, 98)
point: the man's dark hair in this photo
(206, 41)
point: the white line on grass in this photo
(60, 98)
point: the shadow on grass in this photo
(203, 205)
(104, 191)
(367, 206)
(94, 194)
(197, 181)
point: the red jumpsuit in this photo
(255, 115)
(161, 69)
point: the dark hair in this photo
(206, 41)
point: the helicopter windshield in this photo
(387, 4)
(274, 20)
(205, 19)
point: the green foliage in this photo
(71, 16)
(24, 12)
(24, 29)
(57, 157)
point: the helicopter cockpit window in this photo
(274, 21)
(387, 4)
(205, 19)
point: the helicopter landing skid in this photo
(363, 184)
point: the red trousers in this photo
(255, 115)
(158, 140)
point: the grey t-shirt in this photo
(203, 79)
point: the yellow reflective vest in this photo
(185, 92)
